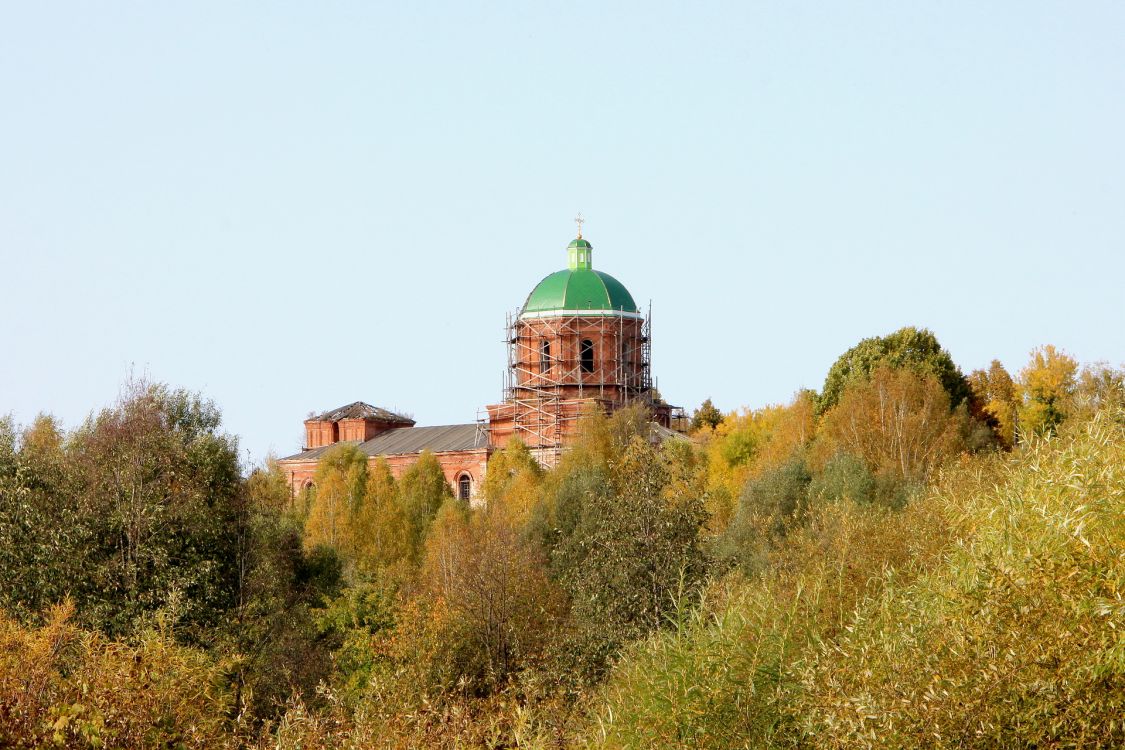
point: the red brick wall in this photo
(618, 356)
(320, 433)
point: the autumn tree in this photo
(1047, 387)
(749, 444)
(380, 528)
(423, 488)
(513, 481)
(995, 392)
(707, 415)
(898, 422)
(912, 348)
(493, 585)
(340, 481)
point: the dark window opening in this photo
(545, 357)
(586, 353)
(464, 486)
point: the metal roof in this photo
(452, 437)
(407, 440)
(361, 410)
(579, 288)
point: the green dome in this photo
(579, 290)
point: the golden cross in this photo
(579, 221)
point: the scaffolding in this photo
(605, 358)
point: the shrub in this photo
(1015, 640)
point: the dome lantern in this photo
(580, 254)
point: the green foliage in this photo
(42, 536)
(138, 505)
(917, 349)
(624, 548)
(707, 415)
(766, 508)
(423, 489)
(349, 622)
(272, 645)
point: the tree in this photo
(625, 550)
(995, 392)
(340, 480)
(706, 416)
(898, 422)
(44, 540)
(381, 530)
(766, 507)
(272, 648)
(917, 349)
(154, 486)
(493, 584)
(513, 482)
(749, 444)
(423, 489)
(1047, 387)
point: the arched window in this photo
(545, 357)
(464, 486)
(586, 354)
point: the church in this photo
(578, 343)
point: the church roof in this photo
(407, 440)
(361, 410)
(579, 290)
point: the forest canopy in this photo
(749, 583)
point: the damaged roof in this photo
(361, 410)
(407, 440)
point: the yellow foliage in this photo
(996, 392)
(747, 444)
(1015, 640)
(898, 422)
(340, 481)
(64, 687)
(513, 482)
(1047, 385)
(379, 528)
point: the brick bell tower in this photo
(579, 342)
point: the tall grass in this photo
(988, 613)
(1016, 640)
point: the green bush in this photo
(1015, 640)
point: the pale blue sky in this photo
(293, 206)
